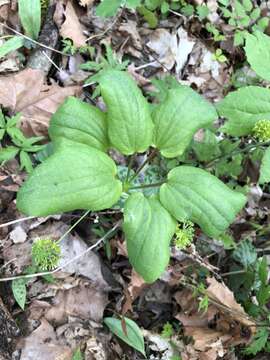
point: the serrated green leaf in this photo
(108, 8)
(10, 45)
(148, 228)
(247, 5)
(194, 194)
(265, 167)
(245, 253)
(178, 118)
(259, 341)
(149, 16)
(255, 13)
(74, 177)
(78, 121)
(130, 127)
(25, 162)
(257, 50)
(30, 16)
(243, 108)
(263, 23)
(133, 338)
(19, 291)
(8, 153)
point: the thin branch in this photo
(148, 159)
(73, 226)
(29, 276)
(235, 152)
(17, 221)
(33, 41)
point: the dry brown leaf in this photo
(221, 294)
(26, 92)
(86, 2)
(43, 344)
(71, 27)
(35, 117)
(83, 302)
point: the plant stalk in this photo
(235, 152)
(150, 157)
(147, 185)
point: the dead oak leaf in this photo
(42, 343)
(71, 28)
(26, 92)
(224, 296)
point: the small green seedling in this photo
(219, 56)
(22, 146)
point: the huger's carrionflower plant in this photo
(81, 175)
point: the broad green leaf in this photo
(194, 194)
(243, 108)
(132, 4)
(2, 133)
(258, 53)
(149, 16)
(133, 336)
(148, 228)
(30, 16)
(74, 177)
(108, 8)
(8, 153)
(130, 127)
(19, 291)
(265, 167)
(78, 121)
(10, 45)
(178, 118)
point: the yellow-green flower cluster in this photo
(184, 234)
(262, 130)
(46, 254)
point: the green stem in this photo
(150, 157)
(147, 185)
(247, 148)
(73, 226)
(129, 167)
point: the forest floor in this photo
(201, 307)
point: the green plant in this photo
(149, 8)
(219, 56)
(30, 17)
(184, 234)
(45, 254)
(243, 16)
(248, 278)
(71, 49)
(167, 330)
(80, 175)
(109, 61)
(23, 145)
(128, 331)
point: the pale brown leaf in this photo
(71, 27)
(86, 2)
(42, 343)
(25, 92)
